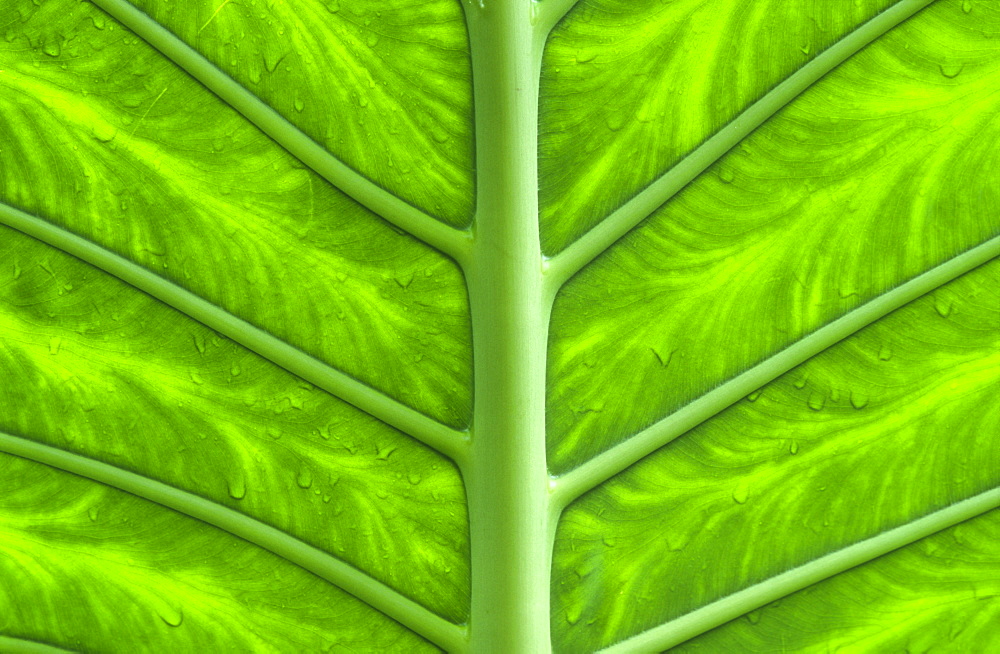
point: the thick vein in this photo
(550, 12)
(451, 241)
(592, 244)
(732, 606)
(342, 575)
(21, 646)
(442, 438)
(609, 463)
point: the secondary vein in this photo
(550, 12)
(22, 646)
(432, 433)
(325, 566)
(447, 239)
(732, 606)
(592, 244)
(602, 467)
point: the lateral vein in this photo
(337, 572)
(602, 467)
(732, 606)
(430, 432)
(592, 244)
(447, 239)
(550, 12)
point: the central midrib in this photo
(506, 477)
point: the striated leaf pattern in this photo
(728, 269)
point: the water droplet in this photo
(54, 345)
(237, 488)
(573, 613)
(304, 478)
(383, 453)
(196, 378)
(615, 122)
(741, 494)
(800, 383)
(93, 513)
(885, 353)
(333, 7)
(752, 397)
(859, 400)
(967, 6)
(299, 104)
(235, 371)
(341, 277)
(53, 49)
(951, 71)
(664, 360)
(440, 136)
(103, 132)
(727, 176)
(583, 56)
(942, 306)
(171, 616)
(794, 447)
(609, 541)
(753, 617)
(805, 49)
(414, 478)
(372, 40)
(405, 280)
(17, 271)
(816, 401)
(199, 342)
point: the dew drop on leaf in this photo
(92, 513)
(859, 400)
(967, 6)
(816, 401)
(794, 447)
(304, 478)
(54, 345)
(237, 487)
(170, 616)
(885, 353)
(741, 494)
(951, 71)
(943, 307)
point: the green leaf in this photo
(499, 326)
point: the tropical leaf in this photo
(678, 329)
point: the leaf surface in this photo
(245, 250)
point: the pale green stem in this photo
(450, 442)
(732, 606)
(323, 565)
(592, 244)
(428, 229)
(507, 478)
(602, 467)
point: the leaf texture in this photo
(728, 269)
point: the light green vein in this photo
(19, 646)
(550, 12)
(609, 463)
(357, 583)
(728, 608)
(455, 243)
(589, 246)
(448, 441)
